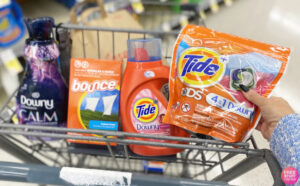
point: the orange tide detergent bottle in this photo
(143, 96)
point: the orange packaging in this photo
(94, 92)
(144, 97)
(207, 69)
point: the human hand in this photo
(272, 110)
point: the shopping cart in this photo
(204, 161)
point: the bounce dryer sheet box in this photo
(94, 93)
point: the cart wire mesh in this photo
(202, 158)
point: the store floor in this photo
(270, 21)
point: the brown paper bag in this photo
(103, 44)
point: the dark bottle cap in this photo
(40, 28)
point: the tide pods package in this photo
(207, 70)
(94, 93)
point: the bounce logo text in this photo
(145, 110)
(201, 67)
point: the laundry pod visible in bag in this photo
(144, 93)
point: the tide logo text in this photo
(145, 110)
(198, 63)
(201, 67)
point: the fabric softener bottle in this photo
(144, 93)
(42, 97)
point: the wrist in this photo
(281, 123)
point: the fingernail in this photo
(244, 88)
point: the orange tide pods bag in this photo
(207, 70)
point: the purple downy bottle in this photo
(42, 97)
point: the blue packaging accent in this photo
(259, 63)
(152, 168)
(68, 3)
(103, 125)
(11, 24)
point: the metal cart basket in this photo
(204, 160)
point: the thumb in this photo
(254, 97)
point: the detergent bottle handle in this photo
(157, 92)
(17, 10)
(174, 130)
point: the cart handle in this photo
(274, 167)
(41, 174)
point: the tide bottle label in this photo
(146, 114)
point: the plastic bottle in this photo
(11, 24)
(143, 103)
(42, 97)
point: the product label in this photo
(201, 67)
(42, 97)
(103, 125)
(94, 94)
(145, 109)
(147, 112)
(80, 176)
(207, 70)
(149, 74)
(85, 86)
(36, 110)
(229, 106)
(28, 102)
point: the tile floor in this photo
(271, 21)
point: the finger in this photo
(258, 127)
(264, 128)
(255, 98)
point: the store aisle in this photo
(270, 21)
(50, 8)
